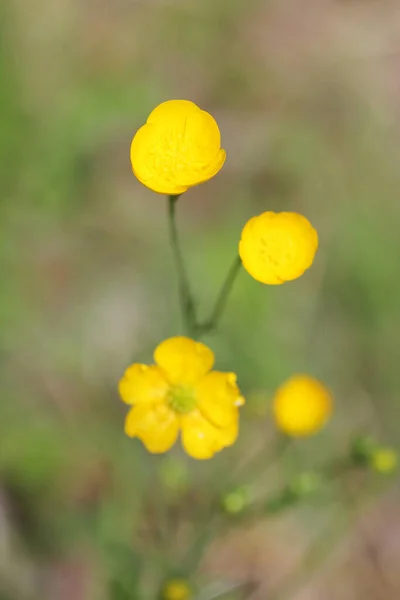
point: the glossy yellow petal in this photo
(277, 247)
(199, 436)
(177, 148)
(143, 383)
(184, 360)
(154, 424)
(172, 111)
(208, 171)
(218, 397)
(228, 435)
(147, 162)
(201, 439)
(301, 406)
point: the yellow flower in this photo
(384, 460)
(181, 393)
(277, 247)
(178, 148)
(301, 406)
(176, 589)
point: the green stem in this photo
(211, 323)
(186, 299)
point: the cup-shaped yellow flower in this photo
(301, 406)
(176, 589)
(277, 247)
(178, 148)
(180, 392)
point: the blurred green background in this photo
(306, 96)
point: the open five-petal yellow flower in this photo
(181, 393)
(178, 148)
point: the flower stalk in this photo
(188, 307)
(186, 298)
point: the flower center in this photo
(181, 399)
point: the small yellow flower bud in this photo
(384, 460)
(177, 589)
(301, 406)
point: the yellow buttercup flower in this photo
(384, 460)
(301, 406)
(277, 247)
(178, 148)
(181, 393)
(176, 589)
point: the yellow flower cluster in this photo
(302, 406)
(180, 147)
(180, 393)
(177, 148)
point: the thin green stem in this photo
(186, 299)
(211, 323)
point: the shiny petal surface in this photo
(143, 383)
(277, 247)
(218, 397)
(155, 425)
(201, 439)
(178, 148)
(172, 111)
(199, 436)
(184, 360)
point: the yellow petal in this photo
(147, 162)
(184, 360)
(143, 383)
(207, 171)
(199, 436)
(154, 424)
(201, 439)
(172, 111)
(218, 397)
(228, 435)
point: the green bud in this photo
(174, 474)
(363, 448)
(305, 484)
(236, 501)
